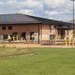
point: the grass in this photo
(48, 61)
(6, 52)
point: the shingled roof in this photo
(27, 19)
(16, 19)
(50, 21)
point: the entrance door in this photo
(24, 35)
(15, 34)
(62, 33)
(31, 33)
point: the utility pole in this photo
(73, 20)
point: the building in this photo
(26, 26)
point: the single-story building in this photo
(27, 25)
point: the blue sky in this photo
(61, 10)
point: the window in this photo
(9, 27)
(3, 27)
(7, 18)
(24, 35)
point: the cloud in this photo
(1, 3)
(11, 2)
(32, 4)
(54, 3)
(53, 13)
(44, 8)
(57, 3)
(29, 12)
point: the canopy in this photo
(65, 28)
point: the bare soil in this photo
(24, 45)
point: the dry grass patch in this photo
(8, 52)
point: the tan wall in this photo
(46, 29)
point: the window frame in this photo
(9, 27)
(3, 27)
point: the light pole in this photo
(73, 19)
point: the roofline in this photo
(19, 23)
(39, 20)
(11, 14)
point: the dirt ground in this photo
(24, 45)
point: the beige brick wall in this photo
(46, 29)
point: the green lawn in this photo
(46, 61)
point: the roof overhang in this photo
(65, 28)
(18, 23)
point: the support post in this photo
(38, 32)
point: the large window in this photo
(9, 27)
(3, 27)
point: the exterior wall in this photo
(46, 30)
(19, 29)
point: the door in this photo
(15, 35)
(24, 35)
(31, 34)
(62, 33)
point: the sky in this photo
(61, 10)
